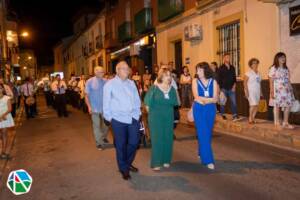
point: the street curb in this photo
(264, 133)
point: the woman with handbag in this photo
(252, 88)
(205, 91)
(160, 101)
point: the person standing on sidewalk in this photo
(59, 89)
(205, 91)
(122, 108)
(252, 88)
(28, 92)
(94, 101)
(160, 102)
(6, 121)
(281, 91)
(227, 83)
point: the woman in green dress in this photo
(160, 101)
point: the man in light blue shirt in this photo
(94, 101)
(122, 108)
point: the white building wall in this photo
(261, 35)
(290, 44)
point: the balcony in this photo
(124, 32)
(143, 21)
(169, 8)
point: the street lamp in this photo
(24, 34)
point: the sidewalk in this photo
(11, 138)
(263, 132)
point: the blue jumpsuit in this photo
(204, 118)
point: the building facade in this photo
(84, 50)
(148, 32)
(130, 34)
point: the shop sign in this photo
(295, 20)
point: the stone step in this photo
(264, 131)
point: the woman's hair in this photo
(253, 60)
(162, 72)
(3, 89)
(208, 73)
(276, 60)
(185, 67)
(215, 64)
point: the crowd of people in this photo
(117, 101)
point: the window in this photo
(127, 12)
(229, 43)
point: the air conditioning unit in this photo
(193, 32)
(277, 1)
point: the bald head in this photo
(99, 72)
(123, 70)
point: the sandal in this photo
(288, 126)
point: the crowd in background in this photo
(116, 100)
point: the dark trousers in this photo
(48, 96)
(127, 138)
(75, 99)
(13, 109)
(83, 105)
(61, 105)
(29, 109)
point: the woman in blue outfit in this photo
(205, 91)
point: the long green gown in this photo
(161, 119)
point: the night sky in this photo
(47, 21)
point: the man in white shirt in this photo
(27, 91)
(59, 89)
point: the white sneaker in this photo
(156, 169)
(166, 165)
(211, 166)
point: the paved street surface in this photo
(60, 155)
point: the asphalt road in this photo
(60, 155)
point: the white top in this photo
(81, 86)
(59, 87)
(253, 81)
(27, 89)
(8, 122)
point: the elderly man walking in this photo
(121, 106)
(94, 101)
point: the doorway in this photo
(178, 56)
